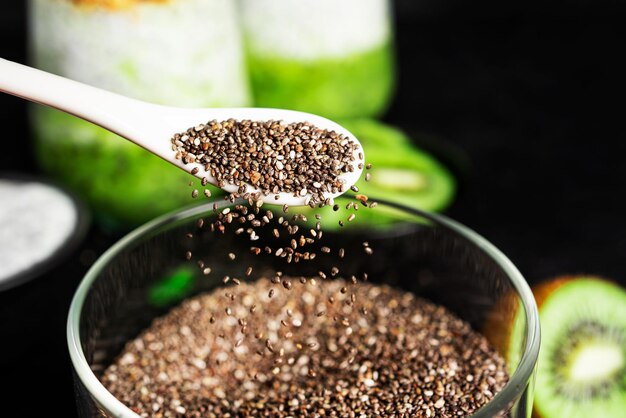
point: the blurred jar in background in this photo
(176, 52)
(329, 57)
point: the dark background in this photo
(524, 101)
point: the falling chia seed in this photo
(211, 370)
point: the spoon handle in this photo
(109, 110)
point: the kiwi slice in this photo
(401, 173)
(581, 370)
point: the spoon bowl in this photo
(152, 126)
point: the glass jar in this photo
(176, 52)
(148, 272)
(333, 58)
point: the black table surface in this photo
(526, 97)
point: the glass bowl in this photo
(430, 255)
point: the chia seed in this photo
(259, 154)
(201, 370)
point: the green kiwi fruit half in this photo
(401, 173)
(581, 371)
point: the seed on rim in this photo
(341, 252)
(368, 250)
(334, 271)
(368, 176)
(249, 271)
(321, 274)
(206, 271)
(351, 217)
(188, 255)
(368, 166)
(236, 281)
(232, 256)
(325, 250)
(194, 193)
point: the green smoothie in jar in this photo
(329, 57)
(184, 53)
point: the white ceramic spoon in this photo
(149, 125)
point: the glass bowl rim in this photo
(503, 399)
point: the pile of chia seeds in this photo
(271, 156)
(297, 346)
(313, 348)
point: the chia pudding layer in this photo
(148, 51)
(333, 58)
(310, 348)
